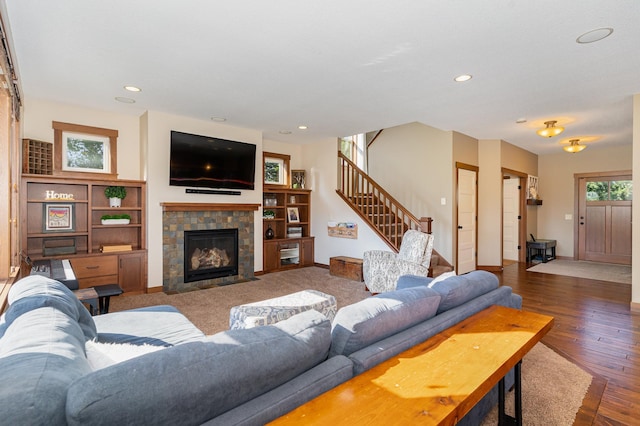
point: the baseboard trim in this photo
(490, 268)
(635, 307)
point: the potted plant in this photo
(115, 219)
(115, 194)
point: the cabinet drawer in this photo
(94, 281)
(95, 266)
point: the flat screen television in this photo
(206, 162)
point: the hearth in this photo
(210, 254)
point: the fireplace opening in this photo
(210, 254)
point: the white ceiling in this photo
(341, 66)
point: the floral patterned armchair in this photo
(381, 269)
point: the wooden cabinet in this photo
(61, 218)
(288, 213)
(132, 271)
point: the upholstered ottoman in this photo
(277, 309)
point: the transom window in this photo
(610, 190)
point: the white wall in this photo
(39, 114)
(414, 163)
(320, 163)
(157, 144)
(489, 203)
(556, 189)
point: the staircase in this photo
(384, 214)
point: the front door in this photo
(604, 218)
(467, 220)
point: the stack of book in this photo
(294, 232)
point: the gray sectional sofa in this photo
(59, 365)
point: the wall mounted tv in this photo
(206, 162)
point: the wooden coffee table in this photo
(436, 382)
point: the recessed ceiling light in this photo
(463, 77)
(594, 35)
(218, 119)
(132, 88)
(125, 100)
(302, 127)
(285, 132)
(521, 120)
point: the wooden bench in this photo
(436, 382)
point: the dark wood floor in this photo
(595, 328)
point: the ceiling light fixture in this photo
(574, 147)
(302, 127)
(551, 130)
(463, 78)
(218, 119)
(133, 88)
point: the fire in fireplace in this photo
(210, 254)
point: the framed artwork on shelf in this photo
(293, 215)
(84, 149)
(58, 217)
(276, 170)
(298, 179)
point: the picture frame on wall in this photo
(58, 217)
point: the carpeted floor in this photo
(553, 388)
(209, 309)
(583, 269)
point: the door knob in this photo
(459, 226)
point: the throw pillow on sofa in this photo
(370, 320)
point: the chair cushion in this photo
(228, 368)
(460, 289)
(370, 320)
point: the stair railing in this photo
(373, 204)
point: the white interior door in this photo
(467, 221)
(510, 218)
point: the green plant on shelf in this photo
(115, 216)
(268, 214)
(115, 192)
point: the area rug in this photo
(582, 269)
(552, 390)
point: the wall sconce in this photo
(551, 129)
(574, 147)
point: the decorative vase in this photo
(115, 202)
(269, 233)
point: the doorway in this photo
(510, 218)
(467, 218)
(604, 217)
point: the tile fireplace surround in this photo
(180, 217)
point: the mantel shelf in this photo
(193, 207)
